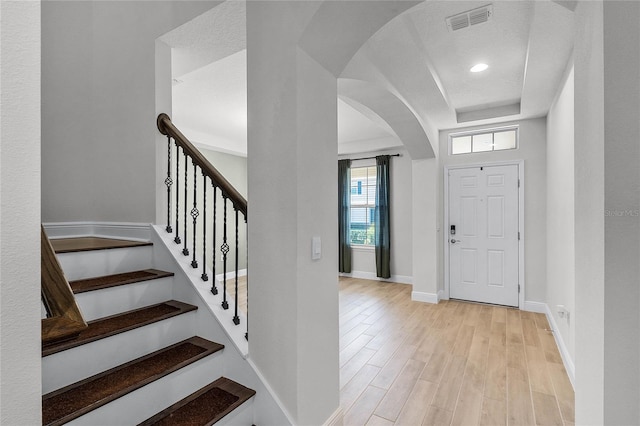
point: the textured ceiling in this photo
(414, 61)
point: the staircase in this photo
(145, 357)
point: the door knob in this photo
(453, 241)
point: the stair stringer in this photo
(215, 323)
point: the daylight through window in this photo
(363, 205)
(483, 141)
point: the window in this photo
(483, 141)
(363, 205)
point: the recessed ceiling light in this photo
(479, 67)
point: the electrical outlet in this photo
(563, 312)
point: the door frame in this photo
(445, 230)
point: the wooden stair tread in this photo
(98, 283)
(70, 245)
(119, 323)
(70, 402)
(205, 406)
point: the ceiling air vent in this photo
(469, 18)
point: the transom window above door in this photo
(483, 141)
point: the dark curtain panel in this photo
(382, 225)
(344, 215)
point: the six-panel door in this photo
(483, 252)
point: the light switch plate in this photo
(316, 248)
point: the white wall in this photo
(98, 106)
(426, 252)
(20, 351)
(234, 169)
(560, 288)
(589, 217)
(607, 186)
(622, 211)
(292, 158)
(364, 259)
(531, 149)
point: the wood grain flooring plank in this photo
(449, 387)
(378, 421)
(546, 409)
(363, 408)
(519, 406)
(394, 366)
(353, 348)
(483, 323)
(483, 364)
(563, 391)
(354, 365)
(496, 377)
(415, 409)
(463, 340)
(514, 326)
(538, 374)
(435, 367)
(541, 321)
(437, 416)
(494, 412)
(499, 334)
(499, 314)
(468, 407)
(351, 324)
(387, 337)
(530, 332)
(352, 335)
(548, 342)
(351, 391)
(392, 403)
(425, 349)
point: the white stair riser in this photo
(243, 415)
(145, 402)
(110, 301)
(96, 263)
(67, 367)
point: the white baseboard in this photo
(538, 307)
(128, 230)
(402, 279)
(272, 393)
(543, 308)
(420, 296)
(564, 351)
(231, 275)
(335, 419)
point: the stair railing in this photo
(64, 319)
(223, 192)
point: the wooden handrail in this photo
(66, 320)
(166, 127)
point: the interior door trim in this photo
(445, 229)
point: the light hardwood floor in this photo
(242, 292)
(411, 363)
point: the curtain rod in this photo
(370, 158)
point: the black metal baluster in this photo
(204, 275)
(214, 289)
(194, 214)
(224, 249)
(246, 334)
(168, 182)
(185, 250)
(177, 238)
(236, 318)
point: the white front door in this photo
(483, 234)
